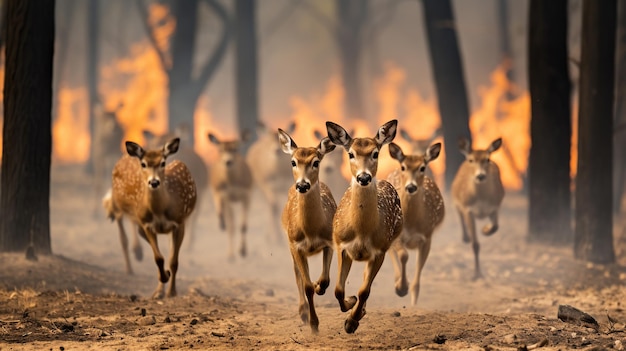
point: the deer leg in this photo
(372, 268)
(303, 307)
(466, 238)
(164, 275)
(303, 266)
(178, 235)
(399, 258)
(423, 252)
(324, 280)
(124, 241)
(193, 223)
(229, 219)
(344, 262)
(137, 250)
(244, 225)
(492, 227)
(470, 224)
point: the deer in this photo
(107, 147)
(477, 193)
(196, 165)
(422, 210)
(307, 219)
(368, 218)
(230, 181)
(158, 198)
(272, 173)
(330, 173)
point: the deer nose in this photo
(229, 163)
(411, 188)
(303, 187)
(481, 176)
(364, 179)
(154, 183)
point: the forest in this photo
(233, 147)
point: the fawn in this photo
(477, 192)
(368, 218)
(157, 198)
(230, 181)
(423, 211)
(307, 218)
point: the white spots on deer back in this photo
(181, 186)
(389, 207)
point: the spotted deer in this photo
(330, 171)
(196, 165)
(157, 198)
(230, 181)
(272, 173)
(107, 148)
(477, 193)
(368, 217)
(422, 209)
(307, 218)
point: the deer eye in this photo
(143, 165)
(375, 155)
(422, 169)
(162, 163)
(403, 168)
(293, 163)
(316, 164)
(351, 155)
(470, 160)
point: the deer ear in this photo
(291, 127)
(387, 132)
(325, 146)
(433, 152)
(133, 149)
(318, 135)
(464, 146)
(436, 134)
(405, 135)
(214, 139)
(148, 135)
(338, 135)
(171, 147)
(495, 145)
(286, 143)
(396, 152)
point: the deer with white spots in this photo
(423, 211)
(368, 217)
(308, 220)
(158, 198)
(230, 181)
(477, 193)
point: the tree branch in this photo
(143, 13)
(220, 50)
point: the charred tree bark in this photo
(506, 51)
(93, 52)
(619, 133)
(3, 23)
(447, 67)
(246, 75)
(27, 134)
(550, 127)
(593, 240)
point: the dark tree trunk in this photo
(3, 23)
(549, 218)
(594, 218)
(445, 60)
(352, 17)
(246, 66)
(619, 133)
(506, 51)
(93, 53)
(27, 135)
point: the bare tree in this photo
(593, 239)
(447, 67)
(93, 53)
(27, 133)
(246, 67)
(619, 137)
(550, 90)
(184, 88)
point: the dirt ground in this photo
(80, 298)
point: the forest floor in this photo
(80, 298)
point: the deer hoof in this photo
(477, 276)
(402, 290)
(490, 229)
(351, 325)
(466, 238)
(320, 287)
(138, 252)
(350, 302)
(164, 278)
(243, 251)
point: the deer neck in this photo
(310, 206)
(364, 205)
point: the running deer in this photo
(157, 198)
(307, 219)
(107, 147)
(330, 171)
(196, 165)
(230, 181)
(272, 172)
(368, 218)
(423, 211)
(477, 192)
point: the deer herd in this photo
(159, 188)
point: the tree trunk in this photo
(445, 60)
(27, 134)
(506, 51)
(3, 23)
(93, 45)
(352, 15)
(619, 133)
(594, 218)
(246, 75)
(181, 102)
(549, 218)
